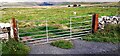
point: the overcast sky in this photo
(59, 0)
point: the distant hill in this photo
(8, 4)
(46, 4)
(25, 4)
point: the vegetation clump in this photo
(14, 48)
(65, 44)
(110, 34)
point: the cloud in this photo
(59, 0)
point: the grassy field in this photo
(53, 13)
(34, 18)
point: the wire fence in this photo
(47, 30)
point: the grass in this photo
(14, 48)
(29, 19)
(36, 31)
(65, 44)
(26, 16)
(110, 34)
(53, 13)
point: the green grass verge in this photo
(63, 44)
(14, 48)
(110, 34)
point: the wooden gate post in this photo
(95, 23)
(15, 31)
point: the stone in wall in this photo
(105, 20)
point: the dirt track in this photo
(80, 47)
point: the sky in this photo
(59, 0)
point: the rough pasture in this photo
(53, 13)
(57, 17)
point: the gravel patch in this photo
(80, 47)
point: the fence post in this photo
(95, 23)
(15, 30)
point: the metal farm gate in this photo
(46, 31)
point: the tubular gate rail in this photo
(47, 31)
